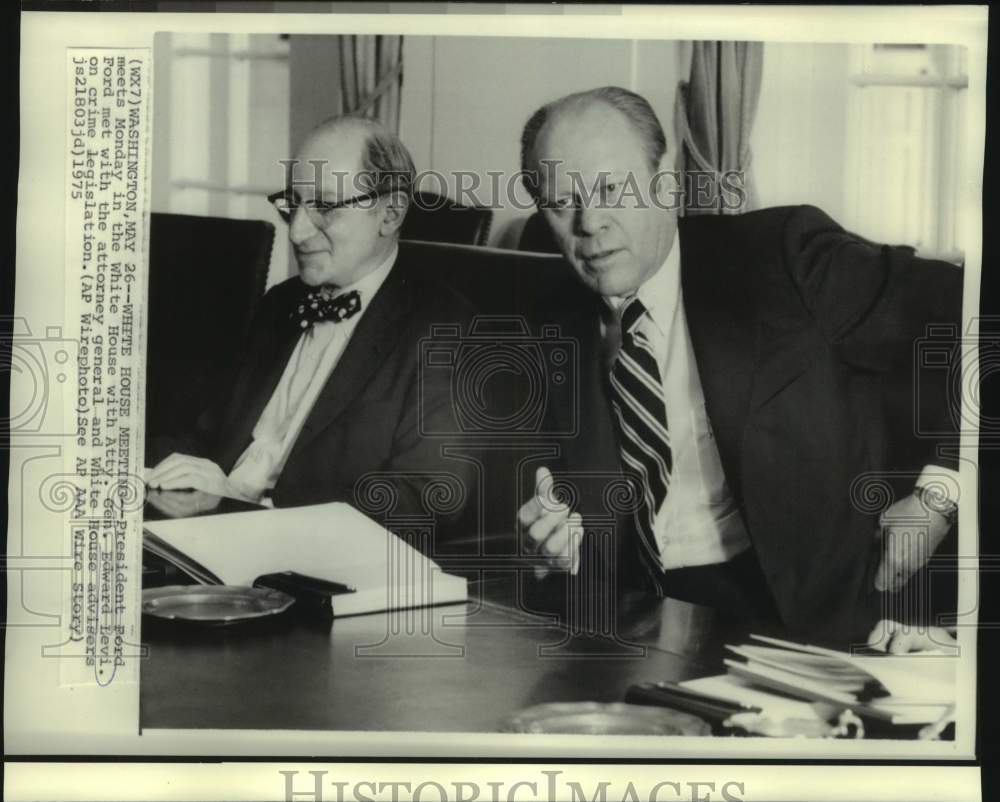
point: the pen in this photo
(667, 695)
(336, 588)
(673, 687)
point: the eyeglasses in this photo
(321, 213)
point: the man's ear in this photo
(668, 192)
(393, 213)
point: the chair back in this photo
(206, 276)
(435, 218)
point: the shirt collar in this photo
(369, 284)
(660, 293)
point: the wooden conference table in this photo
(459, 668)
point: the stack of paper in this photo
(915, 688)
(332, 542)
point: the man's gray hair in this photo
(389, 160)
(386, 163)
(635, 108)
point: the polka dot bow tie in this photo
(320, 306)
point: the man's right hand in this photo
(184, 472)
(551, 529)
(182, 503)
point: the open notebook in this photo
(913, 688)
(331, 542)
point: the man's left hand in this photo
(895, 638)
(911, 533)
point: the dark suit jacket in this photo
(797, 327)
(367, 419)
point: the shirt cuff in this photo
(943, 482)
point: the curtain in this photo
(715, 111)
(371, 74)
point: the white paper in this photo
(334, 542)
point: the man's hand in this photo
(182, 503)
(911, 532)
(184, 472)
(891, 636)
(551, 529)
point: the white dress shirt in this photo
(315, 356)
(699, 522)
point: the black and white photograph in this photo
(424, 293)
(471, 390)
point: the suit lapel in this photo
(594, 448)
(719, 303)
(372, 339)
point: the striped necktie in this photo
(641, 418)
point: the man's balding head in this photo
(634, 108)
(365, 148)
(596, 164)
(352, 180)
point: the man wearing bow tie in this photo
(329, 389)
(734, 367)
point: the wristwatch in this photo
(933, 499)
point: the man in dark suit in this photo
(330, 390)
(733, 368)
